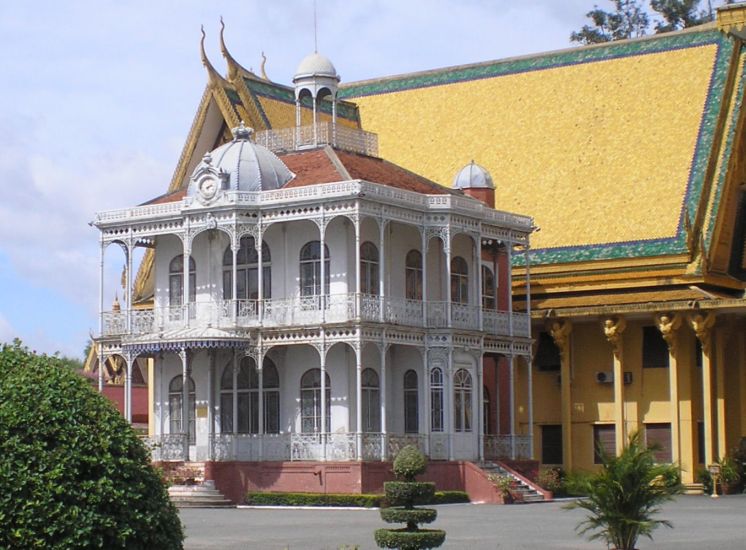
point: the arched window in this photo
(310, 401)
(271, 383)
(371, 401)
(436, 400)
(310, 269)
(488, 288)
(459, 281)
(411, 403)
(247, 390)
(247, 271)
(413, 275)
(462, 409)
(174, 407)
(176, 281)
(247, 397)
(369, 268)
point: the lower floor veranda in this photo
(340, 402)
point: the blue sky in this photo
(98, 96)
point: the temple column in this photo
(613, 331)
(722, 336)
(560, 332)
(669, 326)
(702, 326)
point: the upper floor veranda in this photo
(344, 252)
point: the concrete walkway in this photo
(700, 523)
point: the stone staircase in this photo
(189, 489)
(528, 494)
(203, 495)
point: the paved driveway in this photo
(699, 522)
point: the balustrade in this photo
(507, 446)
(312, 310)
(168, 447)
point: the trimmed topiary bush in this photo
(72, 472)
(409, 463)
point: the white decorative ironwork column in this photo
(210, 404)
(383, 352)
(359, 399)
(358, 288)
(259, 244)
(448, 397)
(128, 360)
(424, 247)
(322, 254)
(184, 355)
(449, 306)
(186, 282)
(382, 271)
(530, 391)
(322, 368)
(130, 253)
(235, 247)
(101, 293)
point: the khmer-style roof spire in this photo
(235, 69)
(214, 75)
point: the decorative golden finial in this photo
(234, 68)
(115, 307)
(214, 75)
(264, 63)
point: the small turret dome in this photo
(239, 165)
(315, 64)
(473, 176)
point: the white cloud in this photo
(7, 332)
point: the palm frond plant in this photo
(625, 496)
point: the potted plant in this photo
(506, 485)
(625, 496)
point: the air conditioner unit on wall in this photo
(605, 377)
(608, 377)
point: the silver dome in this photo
(315, 64)
(473, 176)
(242, 165)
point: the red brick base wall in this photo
(235, 479)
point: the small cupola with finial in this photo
(475, 181)
(316, 78)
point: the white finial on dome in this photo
(242, 132)
(473, 176)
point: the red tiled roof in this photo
(377, 170)
(318, 166)
(174, 196)
(311, 167)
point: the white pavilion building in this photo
(314, 302)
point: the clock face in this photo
(208, 187)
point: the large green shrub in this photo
(625, 495)
(72, 472)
